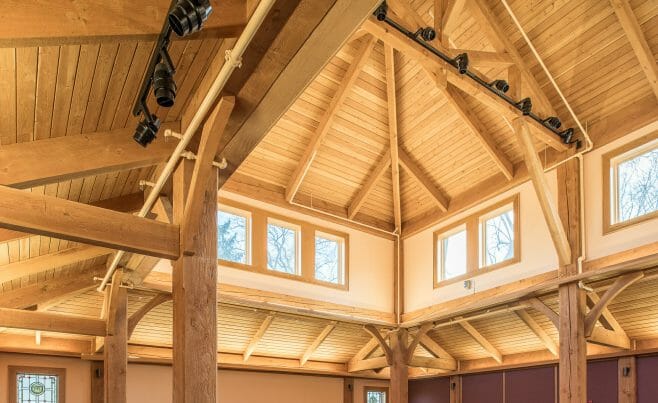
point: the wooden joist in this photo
(538, 331)
(316, 343)
(57, 159)
(482, 341)
(257, 337)
(362, 194)
(444, 364)
(538, 305)
(136, 317)
(320, 133)
(51, 322)
(366, 364)
(391, 103)
(51, 216)
(425, 182)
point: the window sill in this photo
(474, 274)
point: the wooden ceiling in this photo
(331, 150)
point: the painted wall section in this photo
(537, 253)
(599, 245)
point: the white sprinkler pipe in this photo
(233, 60)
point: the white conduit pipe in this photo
(233, 60)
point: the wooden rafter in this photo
(51, 216)
(538, 331)
(422, 331)
(450, 18)
(316, 343)
(257, 337)
(483, 342)
(366, 364)
(425, 182)
(538, 305)
(391, 97)
(362, 194)
(434, 363)
(437, 351)
(325, 123)
(136, 317)
(619, 285)
(364, 352)
(638, 41)
(548, 207)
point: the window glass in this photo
(233, 237)
(453, 255)
(282, 241)
(36, 388)
(498, 237)
(636, 186)
(328, 258)
(376, 396)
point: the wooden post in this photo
(627, 376)
(399, 369)
(348, 390)
(116, 345)
(195, 297)
(455, 389)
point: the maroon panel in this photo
(602, 381)
(480, 388)
(647, 379)
(536, 385)
(433, 390)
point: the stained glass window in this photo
(376, 396)
(37, 388)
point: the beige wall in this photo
(537, 253)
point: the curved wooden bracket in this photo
(617, 287)
(136, 317)
(372, 330)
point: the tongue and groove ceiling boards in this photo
(331, 150)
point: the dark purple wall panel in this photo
(647, 379)
(536, 385)
(602, 381)
(480, 388)
(434, 390)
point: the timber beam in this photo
(51, 322)
(153, 303)
(257, 337)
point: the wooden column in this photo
(399, 370)
(455, 389)
(627, 383)
(195, 297)
(348, 390)
(116, 344)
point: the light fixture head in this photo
(146, 130)
(164, 86)
(500, 86)
(567, 136)
(428, 33)
(553, 122)
(461, 63)
(381, 11)
(188, 16)
(525, 105)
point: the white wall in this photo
(537, 253)
(599, 245)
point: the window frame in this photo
(248, 236)
(474, 244)
(306, 248)
(384, 389)
(342, 255)
(297, 229)
(14, 370)
(610, 161)
(441, 237)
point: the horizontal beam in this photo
(367, 364)
(42, 21)
(26, 344)
(63, 219)
(445, 364)
(51, 322)
(57, 159)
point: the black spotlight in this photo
(566, 136)
(428, 33)
(164, 86)
(146, 130)
(500, 86)
(552, 122)
(381, 12)
(461, 62)
(525, 105)
(188, 16)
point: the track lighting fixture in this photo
(381, 12)
(553, 122)
(525, 105)
(164, 86)
(566, 136)
(428, 33)
(188, 16)
(146, 130)
(461, 63)
(500, 86)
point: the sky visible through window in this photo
(454, 255)
(499, 238)
(327, 259)
(232, 237)
(281, 248)
(637, 186)
(34, 388)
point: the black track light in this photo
(381, 12)
(428, 33)
(461, 63)
(146, 130)
(553, 122)
(188, 16)
(164, 86)
(525, 105)
(566, 136)
(500, 86)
